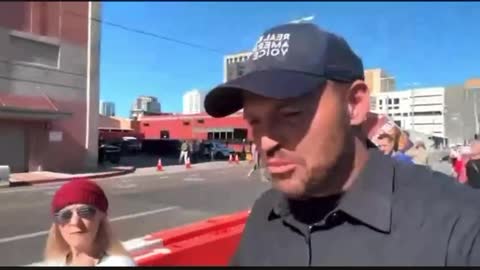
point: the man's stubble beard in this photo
(331, 180)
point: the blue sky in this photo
(426, 44)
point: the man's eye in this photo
(291, 113)
(252, 122)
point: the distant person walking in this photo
(473, 166)
(183, 152)
(254, 152)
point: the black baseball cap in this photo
(288, 61)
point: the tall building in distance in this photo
(442, 112)
(107, 108)
(234, 65)
(145, 105)
(378, 81)
(193, 102)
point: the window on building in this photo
(200, 121)
(25, 49)
(405, 114)
(380, 102)
(186, 123)
(164, 134)
(396, 101)
(240, 70)
(146, 124)
(427, 113)
(389, 101)
(396, 107)
(398, 123)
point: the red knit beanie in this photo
(79, 191)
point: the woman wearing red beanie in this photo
(80, 234)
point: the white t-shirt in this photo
(113, 260)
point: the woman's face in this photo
(78, 225)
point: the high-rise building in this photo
(107, 108)
(442, 112)
(145, 104)
(193, 102)
(378, 81)
(50, 85)
(473, 90)
(234, 65)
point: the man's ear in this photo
(358, 98)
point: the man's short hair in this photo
(385, 136)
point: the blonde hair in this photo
(56, 248)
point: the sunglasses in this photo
(63, 216)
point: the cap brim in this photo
(227, 98)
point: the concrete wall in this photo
(114, 122)
(66, 83)
(195, 129)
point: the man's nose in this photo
(268, 144)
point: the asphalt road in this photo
(140, 204)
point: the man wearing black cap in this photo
(336, 200)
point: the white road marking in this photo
(15, 190)
(22, 236)
(126, 186)
(125, 217)
(146, 213)
(193, 179)
(140, 242)
(154, 252)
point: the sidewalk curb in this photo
(193, 169)
(87, 175)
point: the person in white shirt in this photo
(80, 234)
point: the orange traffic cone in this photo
(159, 165)
(236, 159)
(230, 159)
(187, 164)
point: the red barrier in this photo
(209, 250)
(207, 243)
(182, 233)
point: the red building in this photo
(49, 85)
(195, 127)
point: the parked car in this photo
(217, 150)
(131, 144)
(108, 152)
